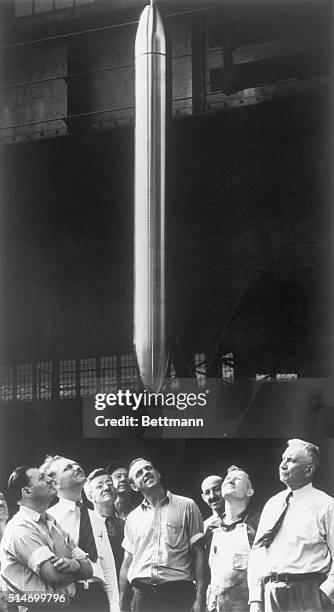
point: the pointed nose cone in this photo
(150, 36)
(150, 153)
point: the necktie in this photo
(86, 536)
(268, 537)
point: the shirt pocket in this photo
(240, 560)
(174, 534)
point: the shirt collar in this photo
(239, 519)
(299, 493)
(68, 504)
(29, 513)
(163, 501)
(215, 516)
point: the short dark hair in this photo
(47, 465)
(17, 480)
(116, 465)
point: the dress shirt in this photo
(26, 544)
(67, 513)
(304, 543)
(160, 539)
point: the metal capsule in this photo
(150, 154)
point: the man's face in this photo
(211, 493)
(41, 485)
(237, 486)
(120, 480)
(102, 490)
(295, 469)
(3, 508)
(144, 476)
(68, 474)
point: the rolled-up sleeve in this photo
(30, 549)
(38, 557)
(194, 523)
(127, 543)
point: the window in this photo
(23, 8)
(24, 382)
(200, 369)
(129, 374)
(88, 377)
(108, 374)
(44, 380)
(228, 368)
(67, 378)
(6, 383)
(286, 376)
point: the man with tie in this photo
(37, 557)
(291, 566)
(100, 491)
(99, 593)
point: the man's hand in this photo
(256, 606)
(65, 566)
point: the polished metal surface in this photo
(150, 153)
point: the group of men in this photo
(156, 554)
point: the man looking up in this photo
(232, 537)
(100, 491)
(36, 555)
(100, 593)
(124, 502)
(291, 564)
(163, 548)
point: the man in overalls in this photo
(231, 543)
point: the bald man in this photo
(212, 496)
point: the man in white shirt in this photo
(100, 593)
(291, 565)
(38, 559)
(164, 555)
(100, 491)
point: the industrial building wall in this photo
(248, 241)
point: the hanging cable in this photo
(100, 29)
